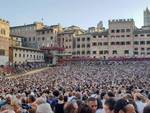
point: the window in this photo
(53, 31)
(88, 45)
(25, 39)
(88, 52)
(136, 49)
(83, 39)
(126, 52)
(78, 39)
(4, 32)
(122, 43)
(136, 43)
(136, 53)
(117, 43)
(114, 52)
(142, 53)
(122, 30)
(88, 39)
(112, 31)
(94, 44)
(128, 43)
(99, 36)
(128, 35)
(117, 36)
(43, 38)
(78, 46)
(15, 54)
(105, 52)
(101, 52)
(100, 43)
(148, 49)
(148, 35)
(33, 38)
(122, 36)
(38, 38)
(23, 55)
(112, 43)
(43, 32)
(128, 30)
(94, 36)
(117, 31)
(136, 35)
(29, 39)
(105, 43)
(19, 55)
(83, 45)
(52, 38)
(142, 35)
(94, 52)
(142, 49)
(142, 42)
(2, 52)
(83, 52)
(148, 42)
(74, 53)
(78, 52)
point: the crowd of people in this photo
(80, 87)
(14, 69)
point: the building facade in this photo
(18, 41)
(4, 42)
(19, 55)
(67, 38)
(141, 43)
(47, 37)
(82, 45)
(29, 32)
(121, 39)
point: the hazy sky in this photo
(85, 13)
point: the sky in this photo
(83, 13)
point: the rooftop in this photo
(4, 21)
(141, 31)
(25, 48)
(100, 33)
(33, 24)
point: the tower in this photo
(100, 25)
(147, 17)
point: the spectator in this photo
(109, 105)
(92, 103)
(146, 109)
